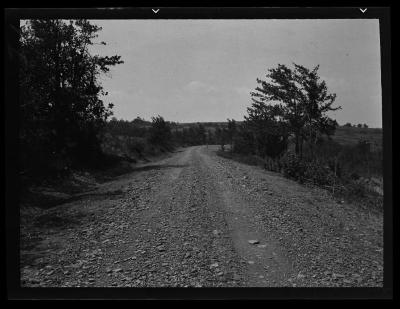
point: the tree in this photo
(359, 125)
(280, 90)
(160, 132)
(301, 99)
(348, 124)
(365, 126)
(231, 131)
(244, 142)
(221, 136)
(200, 134)
(316, 102)
(269, 132)
(61, 112)
(210, 137)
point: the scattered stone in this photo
(253, 241)
(168, 271)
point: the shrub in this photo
(293, 166)
(303, 169)
(136, 145)
(319, 173)
(273, 165)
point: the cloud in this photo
(245, 91)
(199, 87)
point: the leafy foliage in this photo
(160, 132)
(61, 112)
(269, 133)
(296, 99)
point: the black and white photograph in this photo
(200, 153)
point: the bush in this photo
(310, 170)
(319, 174)
(273, 165)
(136, 145)
(292, 166)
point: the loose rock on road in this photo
(199, 220)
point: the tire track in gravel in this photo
(318, 241)
(267, 264)
(179, 237)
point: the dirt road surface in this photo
(199, 220)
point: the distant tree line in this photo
(163, 133)
(135, 128)
(348, 124)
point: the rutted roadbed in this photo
(187, 221)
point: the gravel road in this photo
(196, 219)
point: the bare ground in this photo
(187, 220)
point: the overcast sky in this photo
(203, 70)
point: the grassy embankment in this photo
(341, 166)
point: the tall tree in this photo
(280, 88)
(301, 98)
(316, 102)
(61, 109)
